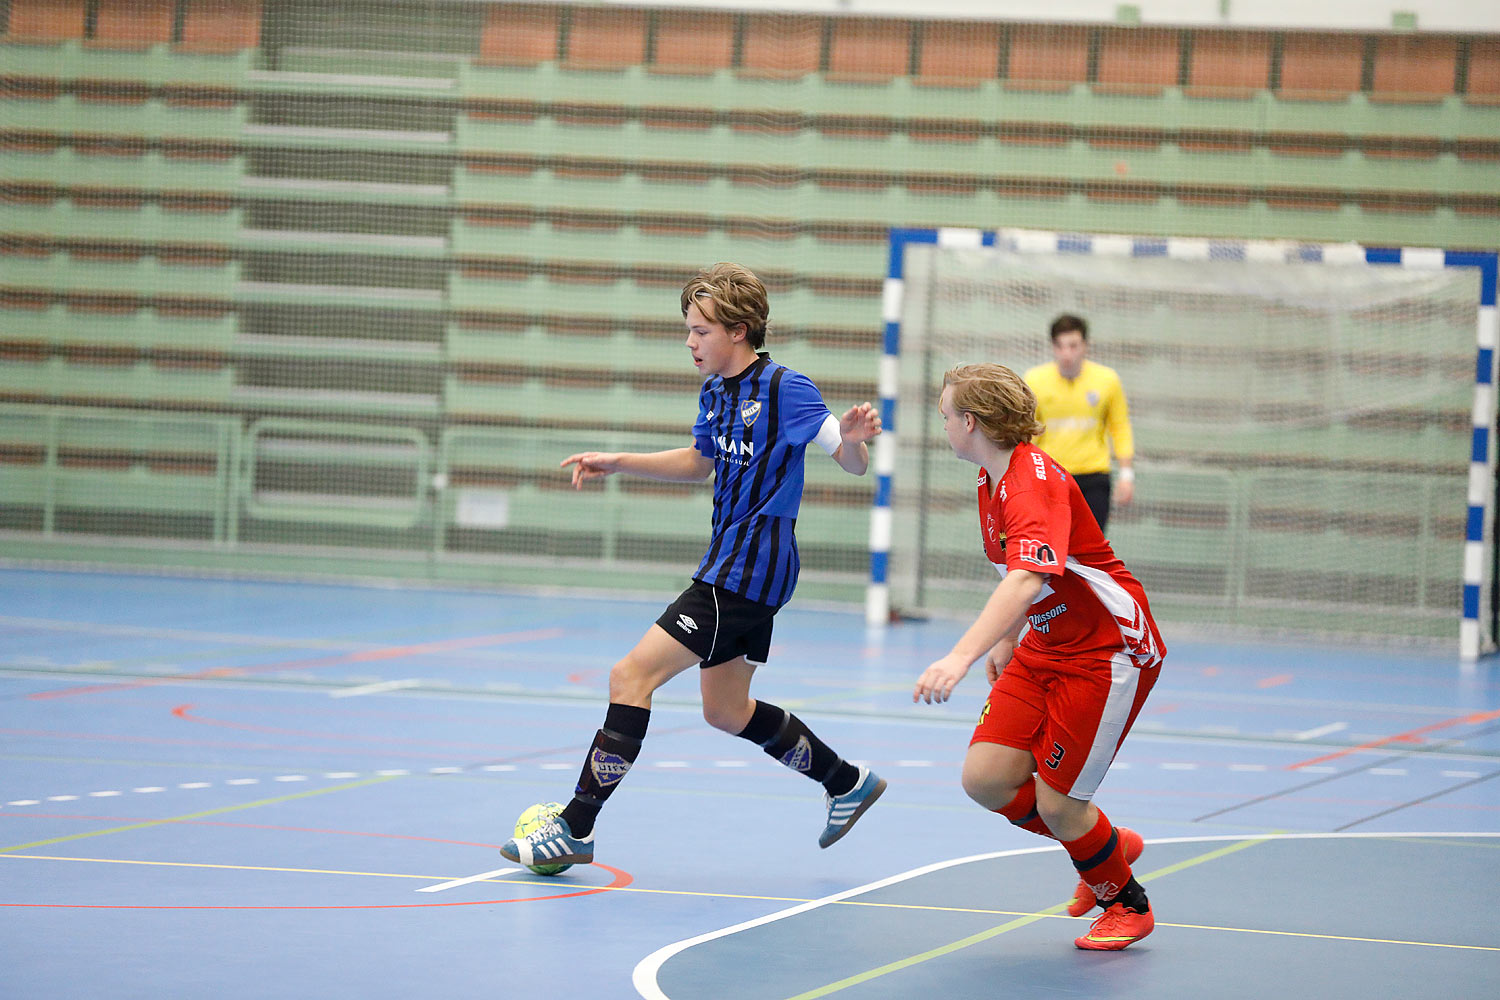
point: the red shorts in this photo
(1070, 715)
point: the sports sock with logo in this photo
(615, 748)
(1100, 859)
(1021, 811)
(786, 738)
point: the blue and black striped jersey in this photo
(756, 427)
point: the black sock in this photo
(615, 748)
(1133, 896)
(786, 738)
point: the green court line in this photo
(973, 939)
(197, 815)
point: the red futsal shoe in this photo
(1084, 899)
(1116, 928)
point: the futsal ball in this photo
(534, 818)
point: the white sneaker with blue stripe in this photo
(844, 809)
(551, 844)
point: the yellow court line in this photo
(1022, 918)
(1213, 855)
(238, 868)
(952, 946)
(973, 939)
(196, 815)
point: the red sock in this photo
(1100, 860)
(1021, 811)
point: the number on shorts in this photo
(1057, 755)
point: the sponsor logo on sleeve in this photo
(1040, 464)
(1036, 552)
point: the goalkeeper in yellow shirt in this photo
(1081, 404)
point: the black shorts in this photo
(1095, 487)
(719, 625)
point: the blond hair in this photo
(1000, 400)
(730, 294)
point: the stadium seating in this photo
(693, 43)
(133, 24)
(1229, 65)
(958, 54)
(76, 469)
(45, 21)
(552, 173)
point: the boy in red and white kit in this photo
(1064, 696)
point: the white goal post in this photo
(1313, 424)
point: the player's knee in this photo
(630, 681)
(1065, 816)
(986, 787)
(730, 718)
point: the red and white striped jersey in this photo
(1037, 520)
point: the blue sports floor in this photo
(248, 789)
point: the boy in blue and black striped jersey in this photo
(755, 426)
(755, 421)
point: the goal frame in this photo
(1481, 489)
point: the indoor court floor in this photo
(247, 789)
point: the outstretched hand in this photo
(938, 681)
(860, 424)
(591, 465)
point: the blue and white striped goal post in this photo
(1487, 333)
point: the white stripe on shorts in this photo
(1125, 679)
(713, 645)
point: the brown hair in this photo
(1068, 323)
(730, 294)
(999, 399)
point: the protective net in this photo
(333, 285)
(1302, 431)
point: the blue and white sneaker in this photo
(550, 844)
(844, 809)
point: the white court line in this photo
(1328, 730)
(376, 688)
(643, 978)
(465, 881)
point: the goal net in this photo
(1302, 427)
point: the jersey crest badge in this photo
(799, 757)
(608, 768)
(749, 410)
(1093, 398)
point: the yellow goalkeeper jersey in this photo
(1079, 413)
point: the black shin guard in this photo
(786, 738)
(615, 748)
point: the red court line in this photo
(363, 656)
(620, 879)
(184, 712)
(1410, 736)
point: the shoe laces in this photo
(1109, 921)
(552, 829)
